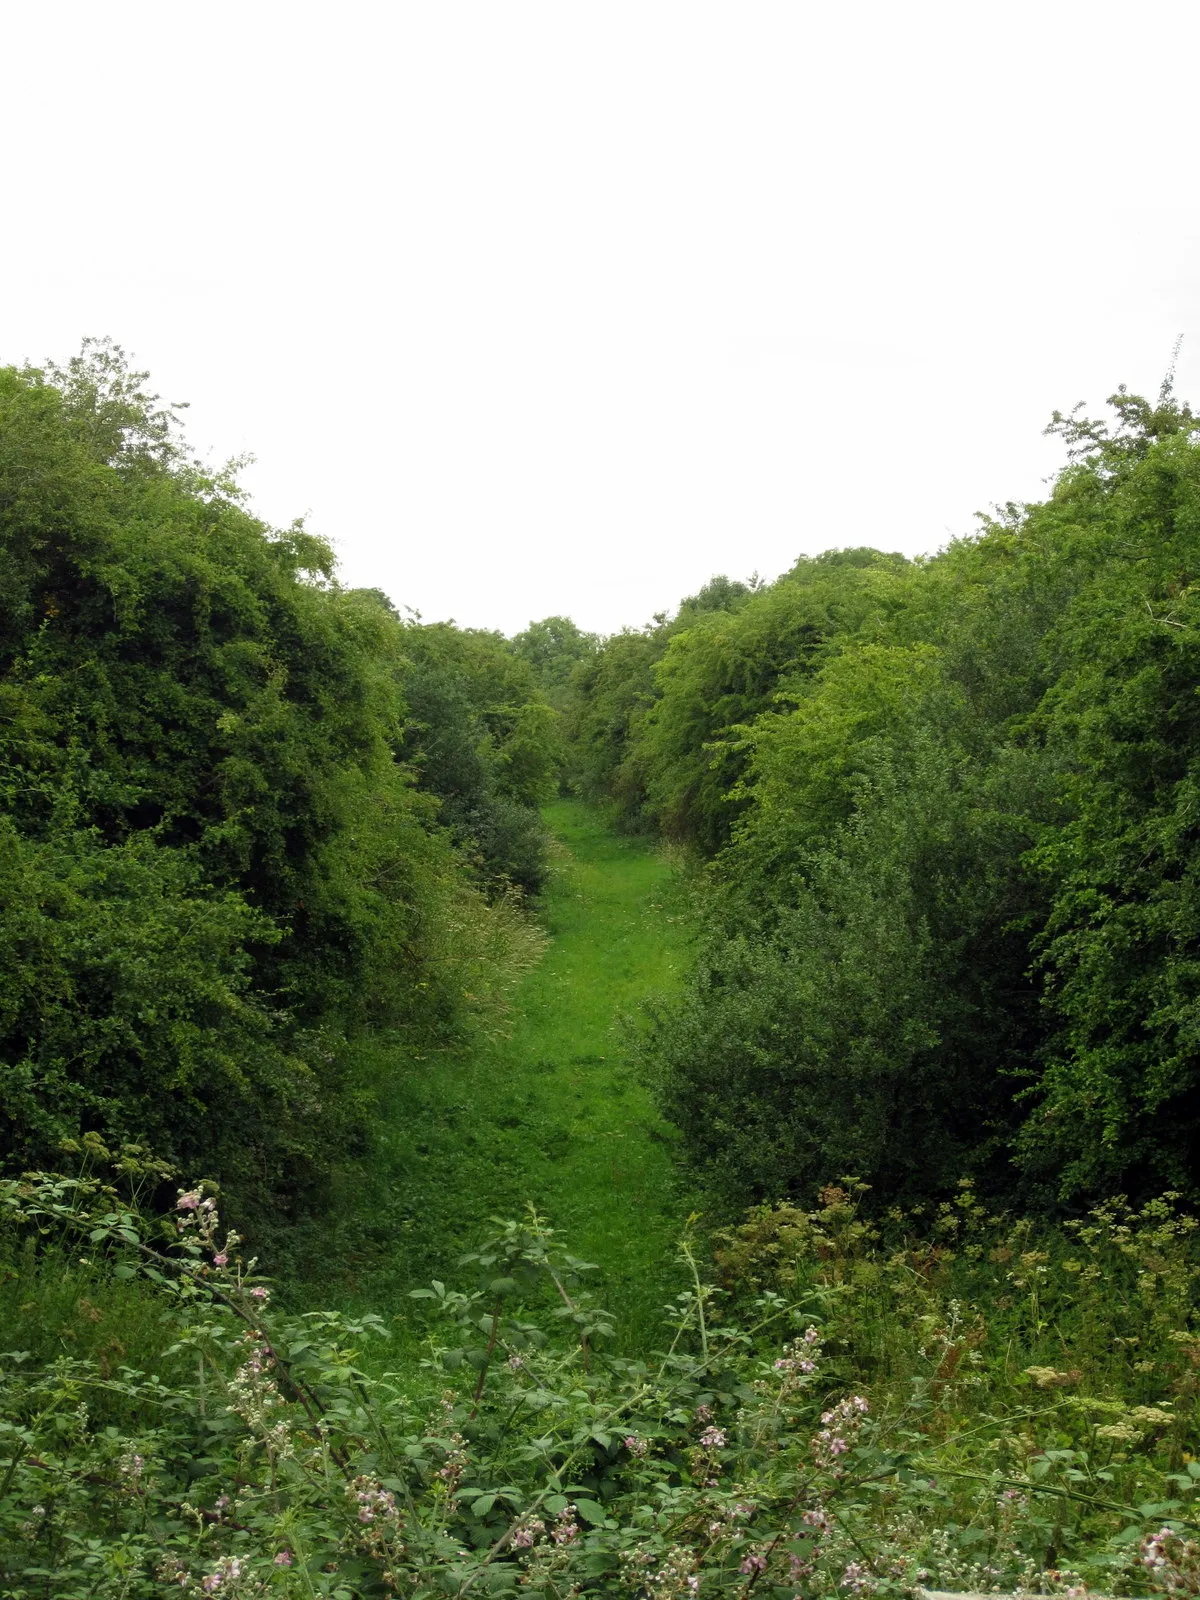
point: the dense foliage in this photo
(215, 861)
(965, 1404)
(483, 738)
(554, 647)
(950, 814)
(265, 844)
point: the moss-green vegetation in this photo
(553, 1115)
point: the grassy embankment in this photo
(554, 1115)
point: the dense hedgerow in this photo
(948, 810)
(215, 863)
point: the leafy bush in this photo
(954, 924)
(484, 740)
(657, 718)
(215, 866)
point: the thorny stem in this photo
(306, 1397)
(22, 1450)
(12, 1472)
(1050, 1488)
(771, 1548)
(853, 1538)
(487, 1357)
(299, 1388)
(571, 1306)
(685, 1248)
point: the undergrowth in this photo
(958, 1400)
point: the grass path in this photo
(553, 1115)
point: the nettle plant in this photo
(259, 1455)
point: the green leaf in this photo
(481, 1507)
(591, 1512)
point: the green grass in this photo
(553, 1116)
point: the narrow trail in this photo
(553, 1115)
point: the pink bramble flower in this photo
(1173, 1561)
(797, 1356)
(374, 1504)
(856, 1579)
(811, 1336)
(220, 1259)
(565, 1527)
(713, 1439)
(842, 1422)
(188, 1201)
(451, 1471)
(227, 1572)
(528, 1529)
(703, 1413)
(284, 1558)
(816, 1518)
(636, 1445)
(260, 1294)
(753, 1564)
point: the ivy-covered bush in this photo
(215, 864)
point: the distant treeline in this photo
(245, 814)
(949, 813)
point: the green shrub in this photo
(215, 866)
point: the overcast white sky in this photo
(563, 307)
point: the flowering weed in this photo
(259, 1455)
